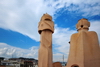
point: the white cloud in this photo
(58, 57)
(61, 37)
(8, 51)
(86, 8)
(95, 27)
(23, 15)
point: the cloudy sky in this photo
(19, 24)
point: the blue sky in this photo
(19, 25)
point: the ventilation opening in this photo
(69, 42)
(74, 65)
(48, 19)
(81, 25)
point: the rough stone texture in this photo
(84, 47)
(57, 64)
(45, 29)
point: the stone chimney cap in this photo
(83, 23)
(46, 17)
(83, 18)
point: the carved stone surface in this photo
(84, 47)
(45, 29)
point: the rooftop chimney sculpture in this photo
(45, 29)
(84, 47)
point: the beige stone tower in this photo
(84, 47)
(45, 29)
